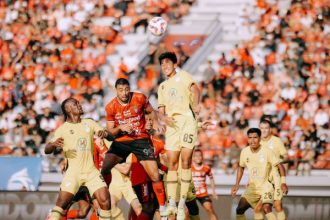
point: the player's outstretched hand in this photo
(284, 188)
(102, 134)
(215, 196)
(58, 143)
(160, 128)
(234, 190)
(126, 128)
(169, 121)
(207, 125)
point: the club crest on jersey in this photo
(173, 92)
(135, 108)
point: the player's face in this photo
(149, 122)
(254, 140)
(197, 157)
(75, 108)
(265, 130)
(168, 67)
(123, 93)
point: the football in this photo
(157, 26)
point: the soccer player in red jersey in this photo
(199, 173)
(126, 121)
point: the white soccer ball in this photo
(157, 26)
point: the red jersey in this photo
(132, 113)
(138, 174)
(199, 174)
(99, 153)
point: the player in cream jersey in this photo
(276, 145)
(259, 192)
(75, 137)
(178, 104)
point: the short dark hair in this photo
(63, 107)
(168, 55)
(266, 121)
(121, 81)
(198, 150)
(254, 131)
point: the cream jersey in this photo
(276, 145)
(174, 94)
(259, 165)
(78, 144)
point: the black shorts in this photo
(142, 148)
(204, 199)
(82, 194)
(146, 195)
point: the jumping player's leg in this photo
(242, 206)
(81, 212)
(172, 176)
(110, 160)
(63, 202)
(151, 169)
(102, 196)
(116, 212)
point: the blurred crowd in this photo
(282, 74)
(51, 50)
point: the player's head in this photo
(168, 63)
(254, 135)
(265, 127)
(123, 89)
(149, 122)
(71, 106)
(198, 156)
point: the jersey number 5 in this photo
(188, 138)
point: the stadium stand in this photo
(272, 60)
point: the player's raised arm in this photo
(51, 146)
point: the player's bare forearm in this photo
(51, 146)
(212, 183)
(123, 168)
(239, 175)
(196, 95)
(281, 170)
(112, 129)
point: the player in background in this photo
(276, 145)
(199, 173)
(140, 180)
(259, 192)
(126, 121)
(75, 137)
(178, 105)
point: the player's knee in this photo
(267, 208)
(104, 202)
(192, 207)
(240, 210)
(186, 164)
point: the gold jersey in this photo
(78, 144)
(175, 95)
(276, 145)
(259, 165)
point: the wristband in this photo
(283, 180)
(199, 124)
